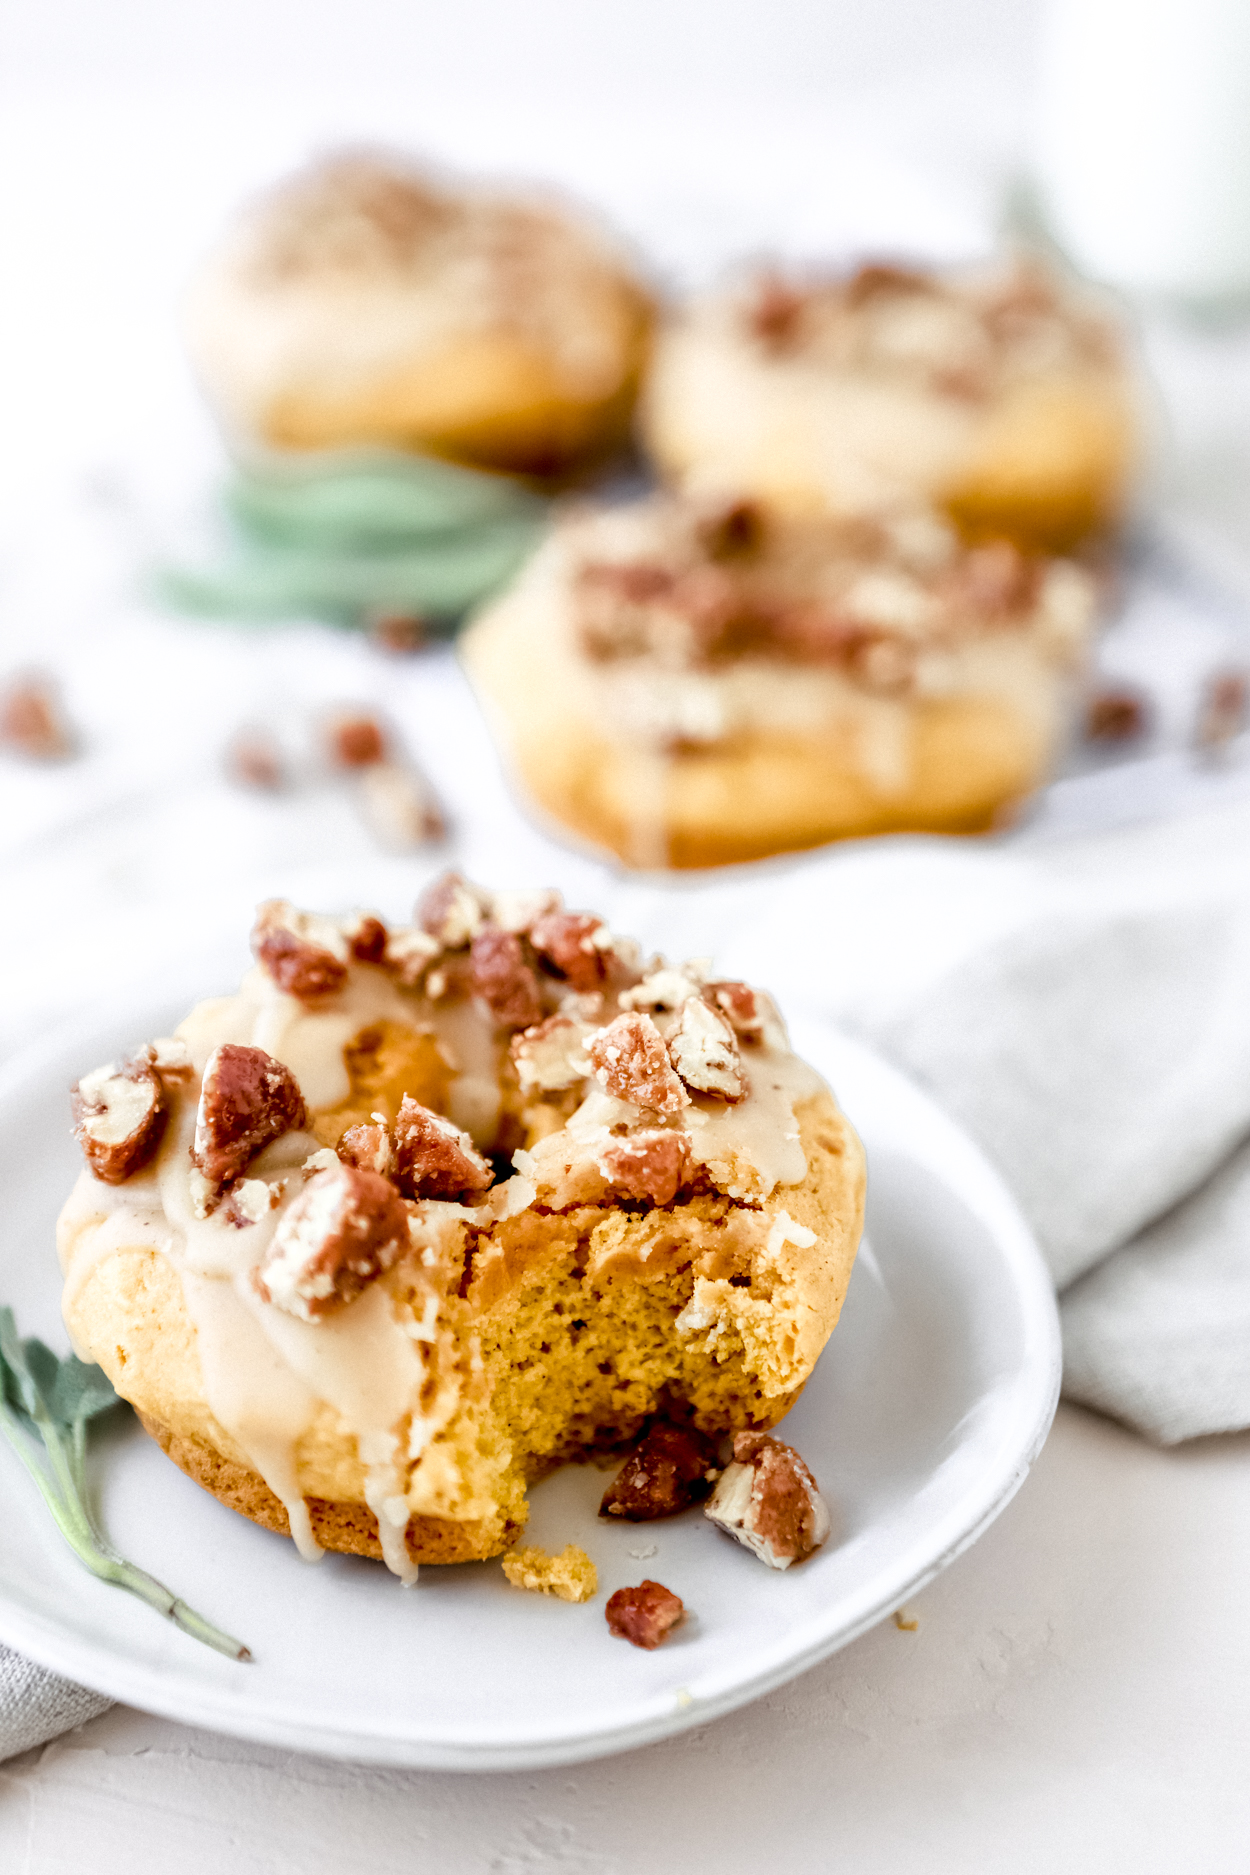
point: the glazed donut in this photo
(423, 1211)
(365, 303)
(689, 685)
(1001, 395)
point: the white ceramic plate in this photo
(920, 1422)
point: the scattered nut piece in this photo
(551, 1056)
(518, 911)
(119, 1116)
(664, 988)
(704, 1052)
(32, 722)
(645, 1615)
(246, 1099)
(171, 1058)
(651, 1165)
(669, 1469)
(631, 1062)
(398, 633)
(746, 1010)
(1222, 711)
(433, 1158)
(451, 911)
(570, 1575)
(250, 1200)
(368, 1147)
(408, 953)
(305, 956)
(254, 759)
(503, 979)
(354, 739)
(768, 1500)
(367, 937)
(565, 943)
(1115, 716)
(399, 806)
(338, 1236)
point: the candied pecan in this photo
(408, 954)
(734, 529)
(171, 1058)
(354, 739)
(119, 1116)
(339, 1234)
(367, 938)
(518, 910)
(451, 911)
(433, 1158)
(775, 313)
(368, 1146)
(876, 279)
(664, 987)
(397, 633)
(744, 1008)
(566, 943)
(631, 1062)
(1115, 716)
(768, 1500)
(503, 979)
(652, 1165)
(32, 722)
(644, 1615)
(247, 1099)
(703, 1051)
(1222, 711)
(304, 955)
(551, 1056)
(400, 806)
(669, 1469)
(254, 759)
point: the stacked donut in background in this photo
(844, 612)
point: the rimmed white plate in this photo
(921, 1421)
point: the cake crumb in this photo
(904, 1621)
(571, 1575)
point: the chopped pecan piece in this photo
(433, 1158)
(551, 1056)
(367, 938)
(775, 315)
(644, 1615)
(354, 739)
(877, 278)
(305, 956)
(338, 1236)
(171, 1058)
(451, 911)
(247, 1099)
(254, 759)
(768, 1500)
(669, 1469)
(732, 530)
(519, 910)
(704, 1052)
(503, 979)
(369, 1147)
(408, 954)
(631, 1062)
(744, 1007)
(664, 988)
(1222, 712)
(1115, 716)
(400, 806)
(32, 722)
(566, 943)
(119, 1116)
(651, 1165)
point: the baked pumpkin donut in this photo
(364, 302)
(423, 1211)
(1002, 396)
(690, 685)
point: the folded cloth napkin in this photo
(36, 1705)
(1084, 1010)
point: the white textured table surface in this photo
(1075, 1694)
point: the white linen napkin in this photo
(36, 1705)
(1084, 1010)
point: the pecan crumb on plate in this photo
(645, 1615)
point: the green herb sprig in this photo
(49, 1401)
